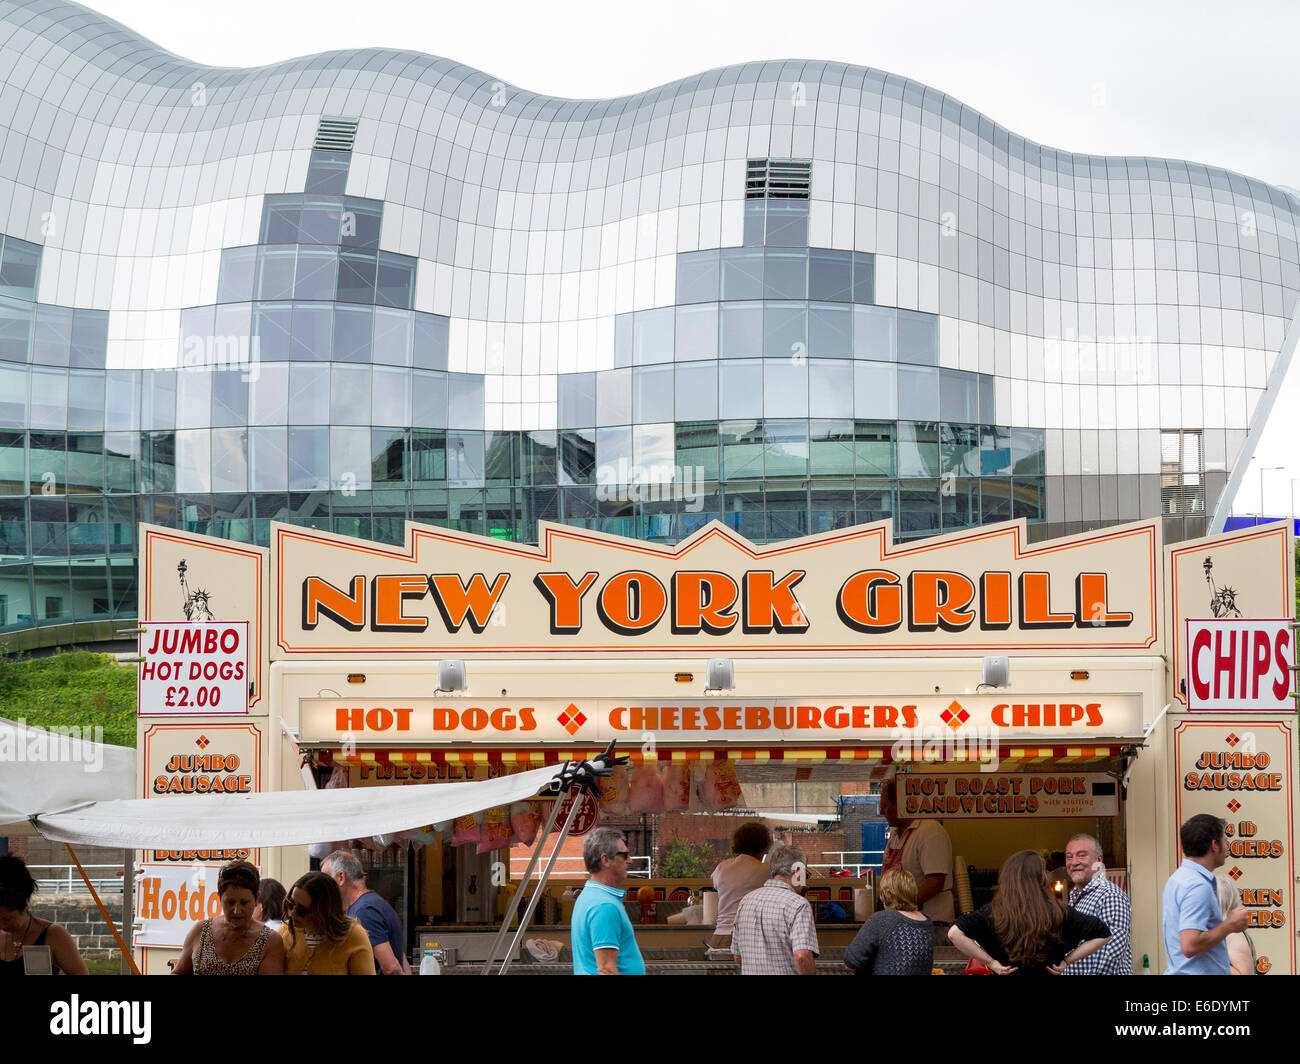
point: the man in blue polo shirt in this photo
(1194, 926)
(373, 912)
(601, 933)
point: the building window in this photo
(1182, 474)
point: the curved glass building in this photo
(367, 286)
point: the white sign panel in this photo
(1240, 664)
(708, 721)
(193, 667)
(980, 795)
(170, 899)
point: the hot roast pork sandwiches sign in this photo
(849, 591)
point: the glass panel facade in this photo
(1070, 340)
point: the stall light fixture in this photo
(356, 677)
(995, 671)
(451, 676)
(1078, 674)
(719, 676)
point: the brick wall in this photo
(820, 847)
(79, 914)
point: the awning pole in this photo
(128, 899)
(519, 893)
(541, 883)
(104, 912)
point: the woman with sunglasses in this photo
(233, 942)
(319, 937)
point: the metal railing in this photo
(65, 879)
(873, 859)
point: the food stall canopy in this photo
(44, 770)
(291, 818)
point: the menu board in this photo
(1001, 794)
(1242, 770)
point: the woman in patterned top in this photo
(233, 943)
(898, 940)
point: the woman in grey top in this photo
(898, 940)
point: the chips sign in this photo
(193, 667)
(1240, 664)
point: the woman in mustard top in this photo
(319, 938)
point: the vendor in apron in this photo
(923, 848)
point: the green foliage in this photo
(103, 963)
(77, 688)
(681, 859)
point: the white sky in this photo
(1207, 81)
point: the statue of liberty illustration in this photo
(1223, 600)
(195, 602)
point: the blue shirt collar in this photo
(616, 892)
(1200, 869)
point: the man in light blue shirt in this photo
(1194, 926)
(600, 932)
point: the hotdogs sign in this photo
(849, 591)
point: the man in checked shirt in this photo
(1094, 894)
(775, 933)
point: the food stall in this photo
(718, 665)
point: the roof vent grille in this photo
(778, 179)
(335, 134)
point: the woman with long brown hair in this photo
(1025, 930)
(319, 937)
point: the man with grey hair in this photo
(775, 933)
(600, 932)
(1094, 894)
(371, 911)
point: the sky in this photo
(1213, 83)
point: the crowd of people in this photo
(330, 923)
(1027, 929)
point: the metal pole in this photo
(128, 901)
(523, 882)
(1262, 471)
(104, 912)
(541, 883)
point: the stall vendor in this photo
(738, 875)
(923, 848)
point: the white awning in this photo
(77, 791)
(293, 818)
(44, 770)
